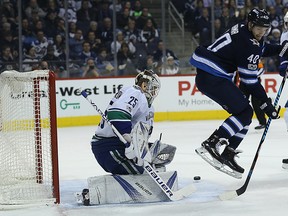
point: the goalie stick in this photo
(172, 195)
(232, 194)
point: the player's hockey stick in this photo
(232, 194)
(172, 195)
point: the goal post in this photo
(28, 138)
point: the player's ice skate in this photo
(225, 162)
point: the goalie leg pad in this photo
(162, 153)
(110, 189)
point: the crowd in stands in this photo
(138, 46)
(198, 19)
(91, 48)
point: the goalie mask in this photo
(152, 87)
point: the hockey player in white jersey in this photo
(130, 105)
(282, 69)
(126, 109)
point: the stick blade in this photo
(228, 195)
(183, 192)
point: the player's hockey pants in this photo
(231, 98)
(110, 154)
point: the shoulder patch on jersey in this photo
(255, 42)
(234, 29)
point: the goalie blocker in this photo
(113, 189)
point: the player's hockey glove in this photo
(270, 110)
(283, 68)
(129, 151)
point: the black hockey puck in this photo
(197, 178)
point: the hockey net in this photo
(28, 138)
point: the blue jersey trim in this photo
(209, 66)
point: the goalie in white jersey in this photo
(130, 105)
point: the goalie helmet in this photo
(259, 18)
(153, 84)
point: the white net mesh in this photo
(25, 138)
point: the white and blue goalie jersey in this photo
(128, 107)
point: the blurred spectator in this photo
(279, 7)
(170, 68)
(89, 69)
(225, 18)
(123, 19)
(149, 36)
(218, 8)
(84, 15)
(127, 4)
(119, 41)
(43, 65)
(158, 54)
(33, 7)
(241, 16)
(59, 47)
(30, 61)
(189, 13)
(72, 29)
(60, 27)
(132, 34)
(93, 26)
(142, 19)
(27, 35)
(136, 9)
(12, 42)
(274, 38)
(51, 24)
(218, 28)
(104, 63)
(9, 10)
(51, 58)
(270, 65)
(6, 59)
(38, 26)
(51, 6)
(95, 43)
(6, 28)
(232, 7)
(149, 65)
(107, 33)
(125, 61)
(86, 52)
(276, 19)
(71, 11)
(118, 6)
(104, 11)
(75, 45)
(40, 44)
(203, 27)
(34, 18)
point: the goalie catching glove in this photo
(270, 110)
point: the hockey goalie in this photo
(131, 112)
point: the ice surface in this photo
(267, 193)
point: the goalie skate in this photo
(82, 198)
(203, 153)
